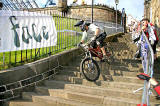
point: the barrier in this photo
(147, 56)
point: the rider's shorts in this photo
(99, 40)
(154, 47)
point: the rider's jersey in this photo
(151, 32)
(91, 32)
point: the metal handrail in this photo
(147, 63)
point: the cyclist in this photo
(89, 30)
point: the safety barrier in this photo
(148, 63)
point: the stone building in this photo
(147, 9)
(152, 11)
(101, 12)
(155, 12)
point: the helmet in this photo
(79, 23)
(82, 25)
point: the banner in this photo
(21, 30)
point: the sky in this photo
(133, 7)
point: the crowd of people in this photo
(149, 30)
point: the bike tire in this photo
(110, 50)
(85, 72)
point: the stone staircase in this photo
(114, 88)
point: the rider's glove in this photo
(151, 41)
(143, 76)
(93, 38)
(80, 44)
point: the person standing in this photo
(151, 34)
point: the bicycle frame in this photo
(93, 52)
(97, 52)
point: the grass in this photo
(64, 41)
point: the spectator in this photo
(151, 34)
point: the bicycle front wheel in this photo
(90, 69)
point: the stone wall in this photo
(101, 13)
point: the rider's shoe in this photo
(144, 76)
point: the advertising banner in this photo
(21, 30)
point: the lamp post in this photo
(116, 2)
(92, 11)
(123, 19)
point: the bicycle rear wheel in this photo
(90, 69)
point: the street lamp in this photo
(116, 2)
(92, 11)
(123, 18)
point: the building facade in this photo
(152, 12)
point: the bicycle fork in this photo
(90, 65)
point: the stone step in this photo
(72, 67)
(117, 63)
(113, 66)
(68, 79)
(25, 103)
(98, 83)
(119, 85)
(28, 95)
(106, 92)
(43, 90)
(117, 72)
(103, 91)
(94, 99)
(127, 69)
(87, 98)
(77, 96)
(55, 101)
(122, 79)
(72, 73)
(56, 84)
(102, 77)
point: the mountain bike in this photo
(89, 67)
